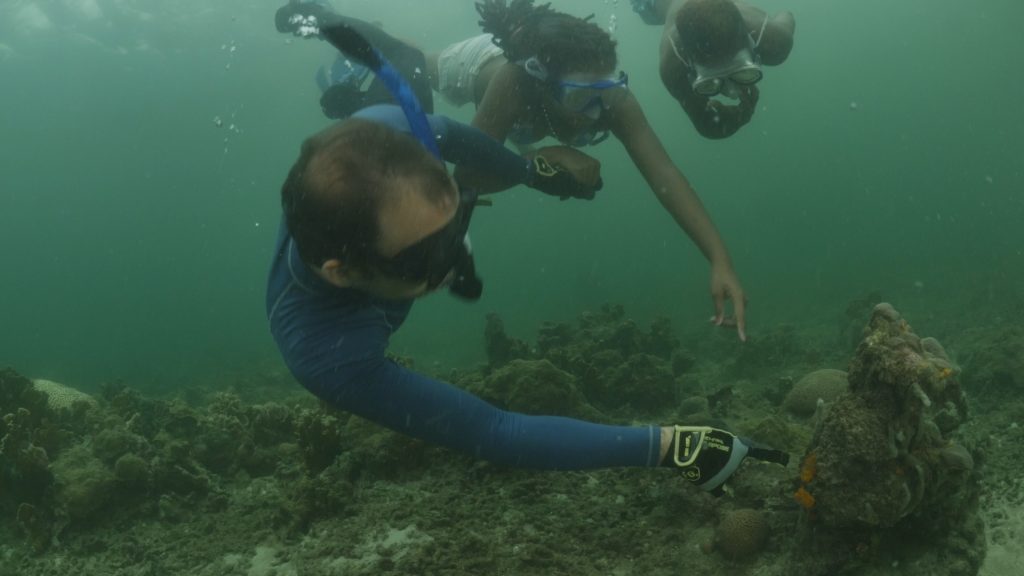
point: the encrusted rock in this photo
(536, 387)
(885, 466)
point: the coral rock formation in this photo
(884, 465)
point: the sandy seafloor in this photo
(248, 475)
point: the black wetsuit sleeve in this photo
(464, 145)
(461, 144)
(410, 62)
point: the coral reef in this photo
(994, 367)
(27, 434)
(236, 482)
(616, 365)
(535, 387)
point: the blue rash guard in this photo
(334, 341)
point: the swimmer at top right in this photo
(712, 56)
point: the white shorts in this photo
(459, 65)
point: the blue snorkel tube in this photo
(464, 283)
(352, 44)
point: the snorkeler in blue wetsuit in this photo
(373, 220)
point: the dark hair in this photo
(563, 43)
(344, 174)
(711, 30)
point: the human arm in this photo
(674, 192)
(468, 147)
(502, 106)
(338, 353)
(776, 42)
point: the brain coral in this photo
(61, 397)
(826, 384)
(741, 533)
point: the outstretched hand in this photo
(726, 286)
(708, 456)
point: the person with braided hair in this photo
(556, 76)
(711, 56)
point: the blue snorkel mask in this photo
(444, 255)
(589, 98)
(580, 97)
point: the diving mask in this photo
(589, 98)
(744, 69)
(434, 258)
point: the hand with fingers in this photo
(726, 286)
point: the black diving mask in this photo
(442, 256)
(445, 255)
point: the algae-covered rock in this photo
(84, 484)
(132, 470)
(825, 385)
(780, 433)
(500, 347)
(692, 406)
(536, 387)
(993, 362)
(643, 382)
(110, 444)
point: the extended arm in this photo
(338, 354)
(777, 40)
(469, 148)
(680, 200)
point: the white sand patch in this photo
(1005, 533)
(392, 543)
(266, 563)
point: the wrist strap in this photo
(542, 167)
